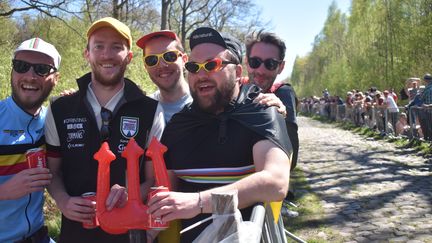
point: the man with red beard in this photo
(108, 107)
(222, 141)
(34, 74)
(265, 53)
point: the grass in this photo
(52, 217)
(310, 225)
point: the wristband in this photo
(200, 203)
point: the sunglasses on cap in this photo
(212, 65)
(168, 56)
(42, 70)
(270, 63)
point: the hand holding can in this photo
(156, 222)
(91, 196)
(36, 158)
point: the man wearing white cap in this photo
(34, 74)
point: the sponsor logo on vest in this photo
(75, 135)
(75, 145)
(122, 145)
(74, 126)
(75, 120)
(129, 126)
(13, 133)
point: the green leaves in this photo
(379, 43)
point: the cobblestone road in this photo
(371, 190)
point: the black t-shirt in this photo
(209, 163)
(207, 151)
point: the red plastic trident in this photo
(134, 214)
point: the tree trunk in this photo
(164, 13)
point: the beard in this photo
(265, 81)
(28, 103)
(222, 97)
(108, 80)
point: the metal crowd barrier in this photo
(271, 232)
(379, 119)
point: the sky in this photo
(297, 22)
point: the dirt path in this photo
(371, 190)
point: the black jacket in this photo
(80, 139)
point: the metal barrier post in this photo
(271, 232)
(386, 121)
(269, 222)
(374, 121)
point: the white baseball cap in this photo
(41, 46)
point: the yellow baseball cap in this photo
(121, 28)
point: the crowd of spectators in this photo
(405, 113)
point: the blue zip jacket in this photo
(20, 131)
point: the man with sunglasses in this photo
(108, 107)
(34, 74)
(164, 58)
(265, 53)
(222, 141)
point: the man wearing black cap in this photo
(222, 141)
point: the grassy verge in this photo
(417, 146)
(310, 225)
(52, 217)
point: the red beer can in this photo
(36, 158)
(95, 223)
(156, 222)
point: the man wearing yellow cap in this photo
(107, 107)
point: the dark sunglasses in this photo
(168, 56)
(271, 63)
(106, 116)
(212, 65)
(42, 70)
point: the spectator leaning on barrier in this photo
(425, 115)
(402, 126)
(349, 99)
(426, 96)
(34, 74)
(392, 108)
(412, 88)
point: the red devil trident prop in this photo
(134, 214)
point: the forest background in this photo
(377, 43)
(64, 23)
